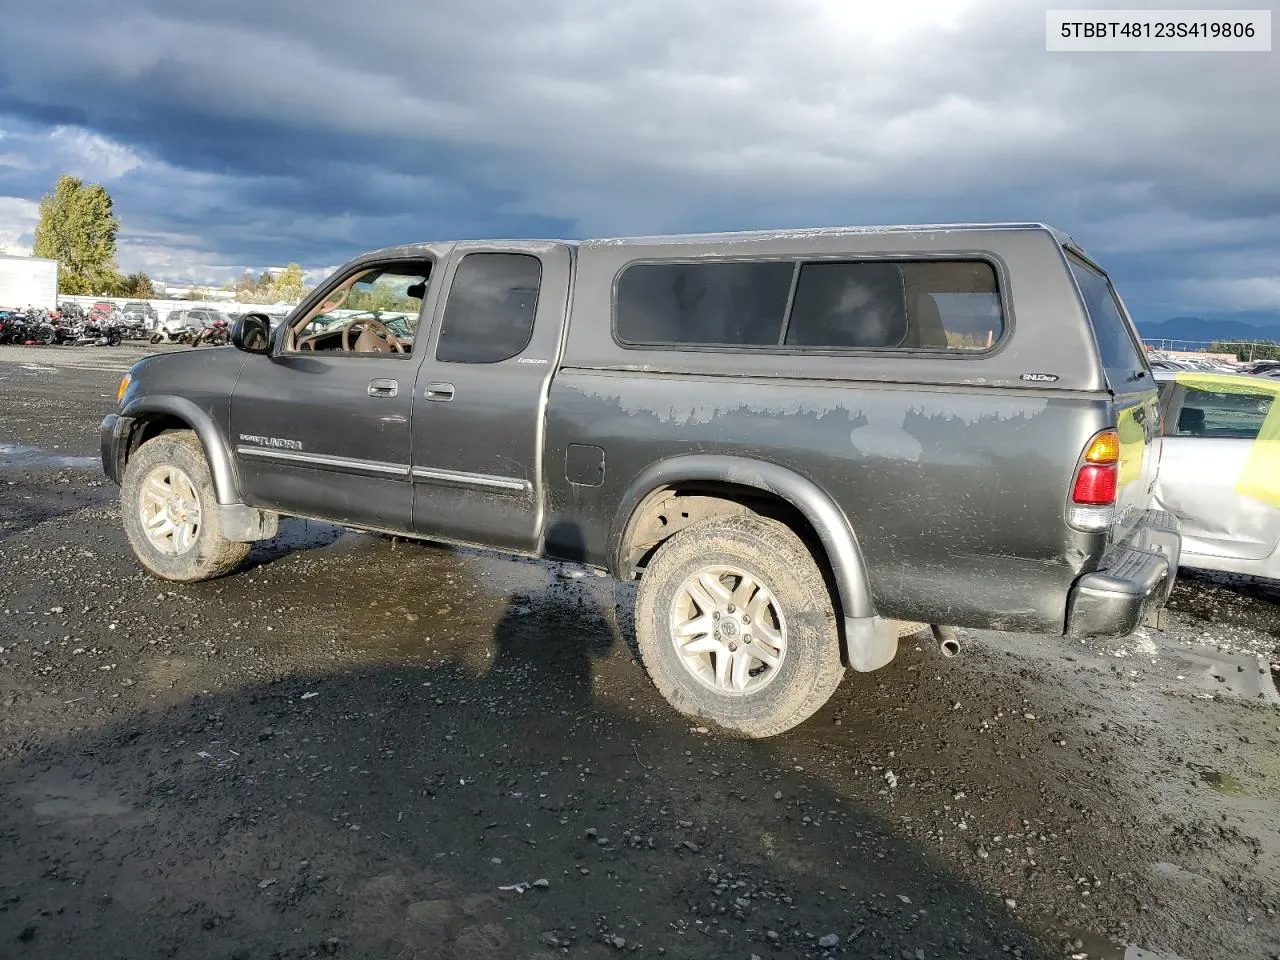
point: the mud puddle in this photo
(17, 455)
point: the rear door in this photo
(1137, 402)
(480, 399)
(1216, 475)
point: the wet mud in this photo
(359, 746)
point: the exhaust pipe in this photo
(948, 643)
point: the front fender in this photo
(870, 642)
(226, 482)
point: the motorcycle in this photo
(40, 328)
(13, 327)
(97, 335)
(185, 335)
(134, 329)
(216, 334)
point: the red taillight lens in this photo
(1095, 485)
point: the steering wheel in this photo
(381, 337)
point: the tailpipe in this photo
(948, 642)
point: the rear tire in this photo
(170, 511)
(762, 578)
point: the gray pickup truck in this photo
(802, 444)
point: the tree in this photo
(1248, 350)
(78, 229)
(198, 293)
(136, 285)
(289, 285)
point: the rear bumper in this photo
(115, 433)
(1131, 584)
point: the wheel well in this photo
(152, 427)
(666, 511)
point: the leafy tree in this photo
(136, 285)
(198, 293)
(289, 285)
(78, 229)
(248, 289)
(1260, 350)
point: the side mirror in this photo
(252, 333)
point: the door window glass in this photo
(491, 308)
(373, 311)
(1235, 416)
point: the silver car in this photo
(1220, 469)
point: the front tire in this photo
(735, 625)
(170, 511)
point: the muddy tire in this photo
(735, 625)
(171, 514)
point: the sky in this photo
(243, 135)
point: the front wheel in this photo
(735, 625)
(170, 511)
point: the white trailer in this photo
(28, 282)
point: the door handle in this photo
(439, 391)
(383, 388)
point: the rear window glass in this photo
(940, 306)
(817, 305)
(1232, 416)
(720, 304)
(1117, 349)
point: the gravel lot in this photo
(364, 747)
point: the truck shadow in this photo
(417, 810)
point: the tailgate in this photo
(1137, 403)
(1138, 423)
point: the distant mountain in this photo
(1200, 329)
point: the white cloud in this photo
(92, 157)
(18, 219)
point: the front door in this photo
(321, 428)
(481, 394)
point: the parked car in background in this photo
(141, 312)
(101, 311)
(1220, 469)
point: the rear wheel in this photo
(170, 511)
(735, 625)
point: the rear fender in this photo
(869, 641)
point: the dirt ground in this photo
(364, 747)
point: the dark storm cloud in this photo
(294, 130)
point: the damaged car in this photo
(1220, 469)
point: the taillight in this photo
(1093, 493)
(1095, 485)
